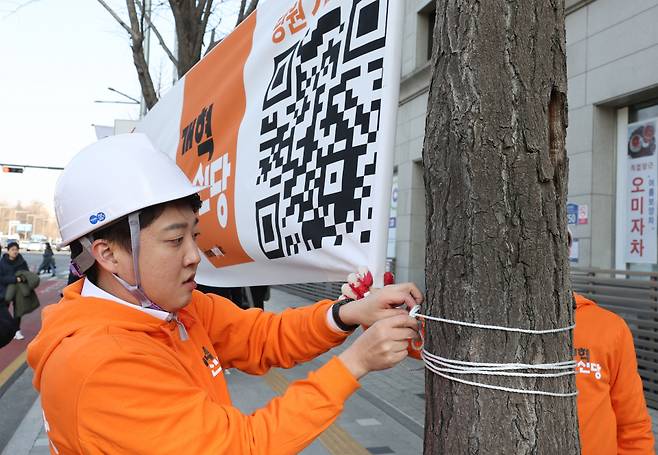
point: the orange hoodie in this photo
(116, 380)
(612, 414)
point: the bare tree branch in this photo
(191, 19)
(141, 65)
(134, 22)
(116, 17)
(164, 46)
(204, 23)
(243, 4)
(200, 7)
(252, 7)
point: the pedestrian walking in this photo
(132, 359)
(48, 261)
(10, 263)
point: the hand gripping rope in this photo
(441, 365)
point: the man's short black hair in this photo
(119, 231)
(12, 244)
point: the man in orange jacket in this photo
(131, 360)
(612, 413)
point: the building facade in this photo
(612, 69)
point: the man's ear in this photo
(104, 253)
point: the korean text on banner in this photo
(642, 166)
(289, 122)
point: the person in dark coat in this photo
(11, 262)
(48, 262)
(233, 294)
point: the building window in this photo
(431, 21)
(426, 22)
(643, 111)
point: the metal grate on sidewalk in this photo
(313, 291)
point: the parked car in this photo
(7, 239)
(35, 245)
(55, 243)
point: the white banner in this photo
(641, 174)
(291, 122)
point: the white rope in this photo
(441, 365)
(499, 369)
(489, 327)
(504, 389)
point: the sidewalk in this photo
(16, 392)
(384, 417)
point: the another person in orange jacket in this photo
(131, 360)
(612, 413)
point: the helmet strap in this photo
(136, 289)
(83, 261)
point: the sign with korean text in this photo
(289, 123)
(577, 213)
(642, 164)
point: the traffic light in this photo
(16, 169)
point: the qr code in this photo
(321, 115)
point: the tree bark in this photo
(139, 59)
(496, 181)
(191, 20)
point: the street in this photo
(62, 259)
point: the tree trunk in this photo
(496, 182)
(191, 20)
(143, 74)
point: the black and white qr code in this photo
(321, 117)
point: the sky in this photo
(58, 57)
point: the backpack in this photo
(7, 326)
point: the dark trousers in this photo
(258, 293)
(17, 321)
(233, 294)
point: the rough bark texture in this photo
(496, 182)
(139, 58)
(191, 18)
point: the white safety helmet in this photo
(115, 177)
(112, 178)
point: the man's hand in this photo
(381, 304)
(382, 346)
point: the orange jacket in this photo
(116, 380)
(612, 414)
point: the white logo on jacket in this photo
(46, 426)
(585, 365)
(211, 362)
